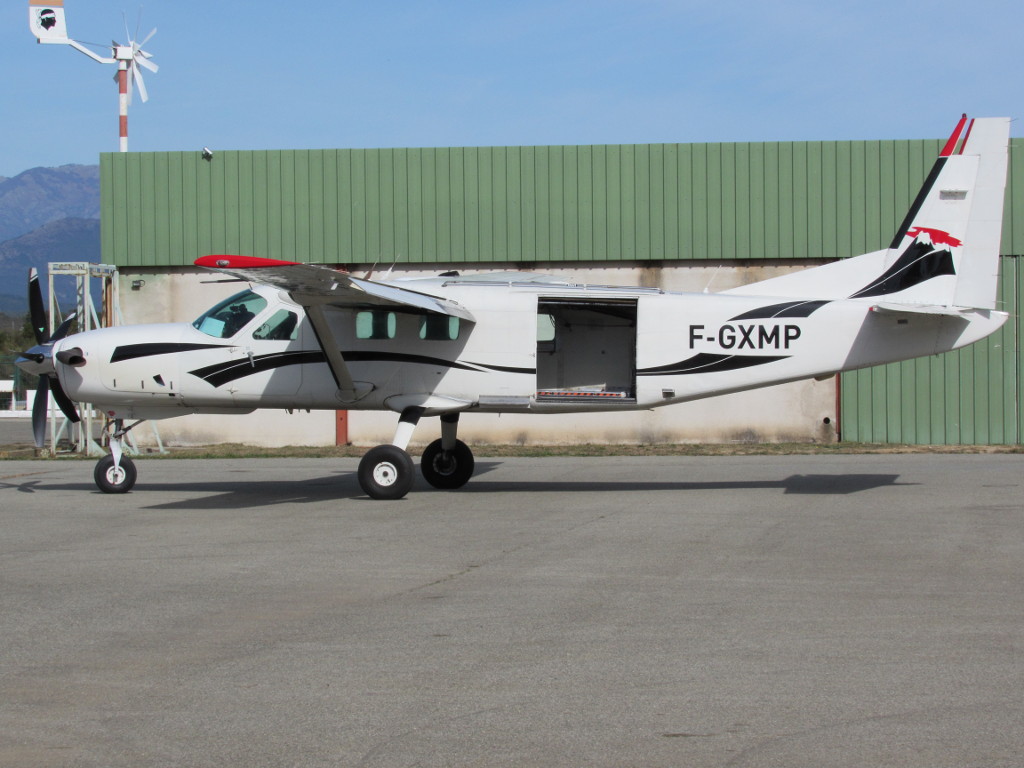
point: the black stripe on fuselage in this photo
(897, 241)
(135, 351)
(786, 309)
(920, 262)
(705, 362)
(223, 373)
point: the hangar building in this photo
(688, 217)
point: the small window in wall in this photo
(439, 328)
(376, 324)
(282, 326)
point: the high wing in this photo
(314, 287)
(312, 284)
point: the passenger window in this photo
(439, 328)
(376, 324)
(282, 326)
(545, 332)
(545, 327)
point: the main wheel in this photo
(115, 480)
(447, 470)
(386, 472)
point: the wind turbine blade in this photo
(148, 37)
(142, 61)
(139, 82)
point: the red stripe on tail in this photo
(951, 144)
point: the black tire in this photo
(386, 472)
(447, 472)
(110, 480)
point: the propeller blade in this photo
(63, 328)
(139, 82)
(36, 307)
(63, 401)
(40, 410)
(148, 38)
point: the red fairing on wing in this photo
(240, 262)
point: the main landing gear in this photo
(387, 472)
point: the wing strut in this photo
(335, 360)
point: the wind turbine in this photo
(46, 20)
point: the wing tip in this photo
(240, 262)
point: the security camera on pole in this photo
(46, 20)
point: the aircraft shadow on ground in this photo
(343, 485)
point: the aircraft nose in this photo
(37, 361)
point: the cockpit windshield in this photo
(230, 316)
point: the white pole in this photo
(122, 91)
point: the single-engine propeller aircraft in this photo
(312, 337)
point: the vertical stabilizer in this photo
(946, 251)
(979, 261)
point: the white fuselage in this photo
(535, 346)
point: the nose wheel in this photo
(386, 472)
(115, 478)
(115, 472)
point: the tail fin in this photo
(946, 251)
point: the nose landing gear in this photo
(115, 472)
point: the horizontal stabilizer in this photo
(921, 309)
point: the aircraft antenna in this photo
(46, 20)
(707, 287)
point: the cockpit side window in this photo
(230, 316)
(282, 326)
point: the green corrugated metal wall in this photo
(520, 204)
(657, 202)
(968, 397)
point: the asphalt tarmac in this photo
(663, 611)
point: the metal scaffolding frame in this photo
(81, 435)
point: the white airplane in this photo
(311, 337)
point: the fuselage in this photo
(534, 346)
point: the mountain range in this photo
(46, 214)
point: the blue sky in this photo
(271, 75)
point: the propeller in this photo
(39, 360)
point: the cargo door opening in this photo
(586, 350)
